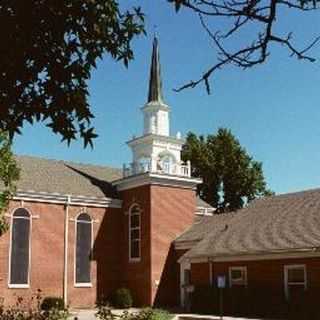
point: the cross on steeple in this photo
(155, 82)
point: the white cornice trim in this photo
(155, 106)
(57, 198)
(155, 137)
(275, 255)
(156, 179)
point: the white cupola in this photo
(156, 151)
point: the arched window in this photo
(167, 163)
(20, 248)
(83, 249)
(135, 233)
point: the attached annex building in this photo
(82, 231)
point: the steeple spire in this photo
(155, 83)
(155, 151)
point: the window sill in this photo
(18, 286)
(134, 260)
(83, 285)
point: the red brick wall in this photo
(166, 213)
(172, 212)
(259, 273)
(47, 254)
(46, 272)
(200, 273)
(270, 273)
(136, 275)
(105, 257)
(264, 294)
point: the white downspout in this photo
(65, 266)
(184, 265)
(211, 273)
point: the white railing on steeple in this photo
(134, 168)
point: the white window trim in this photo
(286, 277)
(18, 286)
(81, 284)
(238, 268)
(24, 285)
(134, 259)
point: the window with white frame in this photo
(238, 276)
(295, 279)
(134, 233)
(83, 250)
(20, 248)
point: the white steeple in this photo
(156, 151)
(156, 112)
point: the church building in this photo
(82, 231)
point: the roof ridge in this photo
(300, 192)
(66, 161)
(284, 195)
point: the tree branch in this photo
(241, 13)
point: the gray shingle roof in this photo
(204, 225)
(284, 222)
(56, 176)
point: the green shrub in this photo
(24, 310)
(122, 298)
(56, 314)
(153, 314)
(105, 313)
(49, 303)
(160, 314)
(103, 301)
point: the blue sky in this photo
(273, 109)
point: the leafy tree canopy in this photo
(231, 178)
(9, 174)
(48, 49)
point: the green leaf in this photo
(231, 178)
(9, 175)
(54, 46)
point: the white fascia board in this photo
(184, 258)
(201, 211)
(207, 209)
(272, 255)
(57, 198)
(156, 179)
(185, 245)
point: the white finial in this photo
(178, 136)
(155, 30)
